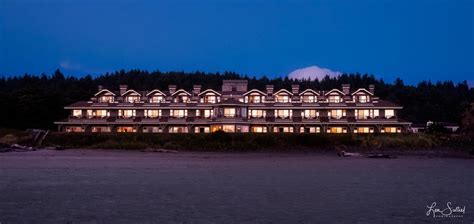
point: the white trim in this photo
(209, 90)
(254, 90)
(333, 91)
(283, 90)
(309, 90)
(131, 90)
(156, 90)
(180, 90)
(106, 90)
(362, 89)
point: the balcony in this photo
(84, 119)
(338, 119)
(122, 119)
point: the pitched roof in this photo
(282, 90)
(254, 90)
(309, 90)
(155, 90)
(209, 90)
(334, 90)
(364, 90)
(104, 90)
(181, 90)
(130, 91)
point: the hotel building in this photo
(234, 108)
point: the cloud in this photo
(312, 72)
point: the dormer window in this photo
(254, 96)
(131, 96)
(363, 98)
(181, 99)
(282, 99)
(181, 96)
(335, 99)
(105, 96)
(283, 96)
(335, 96)
(309, 96)
(106, 99)
(157, 99)
(309, 99)
(362, 95)
(156, 96)
(210, 96)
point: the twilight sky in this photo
(411, 39)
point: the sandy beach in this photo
(85, 186)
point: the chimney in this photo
(123, 89)
(295, 89)
(100, 87)
(196, 89)
(172, 89)
(372, 88)
(269, 89)
(346, 89)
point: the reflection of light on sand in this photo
(130, 187)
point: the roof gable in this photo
(283, 90)
(335, 91)
(181, 91)
(104, 90)
(254, 90)
(209, 90)
(309, 91)
(362, 90)
(155, 91)
(130, 91)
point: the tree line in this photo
(36, 101)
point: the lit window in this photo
(127, 113)
(310, 129)
(132, 99)
(106, 99)
(309, 114)
(126, 129)
(257, 113)
(337, 130)
(229, 112)
(156, 99)
(335, 99)
(178, 129)
(152, 113)
(363, 98)
(259, 129)
(179, 113)
(283, 129)
(77, 113)
(309, 99)
(389, 113)
(282, 99)
(364, 130)
(337, 114)
(283, 113)
(181, 99)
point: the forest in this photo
(36, 101)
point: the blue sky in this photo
(411, 39)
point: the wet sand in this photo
(81, 186)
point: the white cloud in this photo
(313, 72)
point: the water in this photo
(129, 187)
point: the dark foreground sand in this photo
(79, 186)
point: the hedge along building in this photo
(234, 109)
